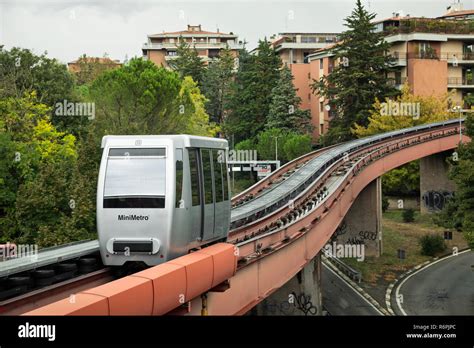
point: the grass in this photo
(397, 234)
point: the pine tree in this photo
(188, 62)
(284, 111)
(216, 85)
(251, 92)
(360, 76)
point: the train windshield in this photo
(135, 178)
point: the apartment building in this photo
(106, 63)
(294, 50)
(434, 55)
(161, 48)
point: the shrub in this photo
(432, 244)
(408, 215)
(385, 203)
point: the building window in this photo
(321, 129)
(321, 106)
(321, 63)
(171, 40)
(213, 40)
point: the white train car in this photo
(158, 197)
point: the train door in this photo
(208, 183)
(220, 229)
(196, 210)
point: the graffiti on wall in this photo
(436, 200)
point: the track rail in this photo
(44, 296)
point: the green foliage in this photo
(284, 111)
(402, 181)
(385, 203)
(432, 244)
(459, 212)
(358, 78)
(248, 144)
(296, 145)
(290, 144)
(22, 72)
(38, 161)
(141, 98)
(250, 100)
(408, 215)
(188, 62)
(216, 85)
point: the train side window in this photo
(225, 171)
(217, 157)
(207, 171)
(193, 165)
(179, 178)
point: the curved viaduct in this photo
(230, 279)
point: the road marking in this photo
(355, 290)
(397, 298)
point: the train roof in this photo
(152, 140)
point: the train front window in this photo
(135, 178)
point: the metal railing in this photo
(461, 81)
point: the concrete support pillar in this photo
(301, 295)
(362, 224)
(435, 186)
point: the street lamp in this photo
(276, 147)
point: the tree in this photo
(360, 76)
(22, 72)
(251, 92)
(216, 85)
(188, 62)
(459, 213)
(141, 98)
(404, 180)
(290, 144)
(37, 163)
(284, 111)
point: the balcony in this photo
(458, 57)
(431, 54)
(198, 45)
(433, 26)
(460, 82)
(397, 82)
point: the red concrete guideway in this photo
(208, 281)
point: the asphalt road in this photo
(445, 288)
(341, 299)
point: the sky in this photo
(67, 29)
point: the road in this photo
(445, 288)
(339, 298)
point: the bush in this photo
(432, 244)
(385, 203)
(408, 215)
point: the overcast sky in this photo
(67, 28)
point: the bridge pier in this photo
(435, 186)
(362, 224)
(301, 295)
